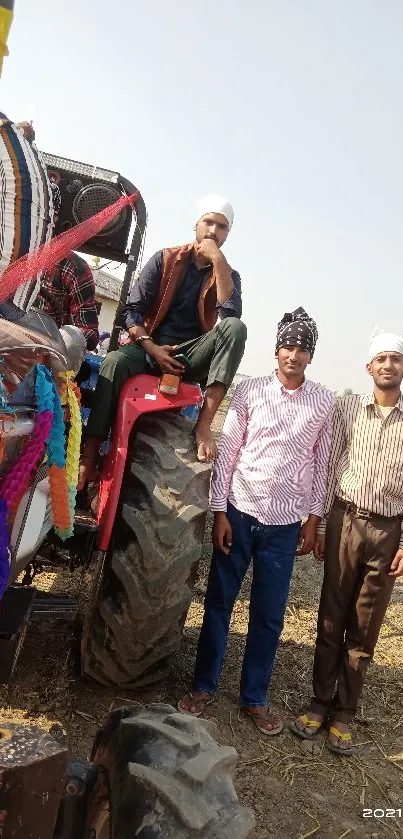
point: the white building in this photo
(107, 293)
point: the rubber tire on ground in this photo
(137, 620)
(163, 776)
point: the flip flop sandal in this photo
(195, 702)
(256, 717)
(315, 725)
(345, 737)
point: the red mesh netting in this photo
(47, 257)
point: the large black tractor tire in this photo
(137, 620)
(163, 776)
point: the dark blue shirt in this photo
(181, 323)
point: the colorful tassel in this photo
(59, 497)
(63, 463)
(17, 479)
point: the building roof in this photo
(106, 285)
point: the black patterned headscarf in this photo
(297, 329)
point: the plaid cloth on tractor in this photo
(68, 295)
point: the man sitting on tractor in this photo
(173, 309)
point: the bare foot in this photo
(88, 462)
(87, 472)
(205, 443)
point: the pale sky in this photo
(291, 109)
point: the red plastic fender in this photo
(139, 396)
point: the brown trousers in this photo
(355, 595)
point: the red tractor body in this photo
(139, 396)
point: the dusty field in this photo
(296, 789)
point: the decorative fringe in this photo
(17, 479)
(48, 435)
(59, 497)
(74, 441)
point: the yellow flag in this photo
(6, 19)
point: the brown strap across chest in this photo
(175, 262)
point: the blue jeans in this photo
(273, 549)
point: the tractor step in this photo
(16, 607)
(85, 522)
(54, 606)
(18, 604)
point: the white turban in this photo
(381, 341)
(215, 204)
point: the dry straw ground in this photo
(297, 789)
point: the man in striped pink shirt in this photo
(270, 473)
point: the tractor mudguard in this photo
(140, 395)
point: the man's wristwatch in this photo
(142, 338)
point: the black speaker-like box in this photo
(85, 190)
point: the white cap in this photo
(215, 204)
(381, 341)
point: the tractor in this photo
(153, 772)
(146, 537)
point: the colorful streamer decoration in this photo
(74, 441)
(48, 437)
(63, 471)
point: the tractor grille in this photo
(94, 172)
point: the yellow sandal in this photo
(315, 725)
(344, 737)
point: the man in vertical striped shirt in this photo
(270, 472)
(361, 542)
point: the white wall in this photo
(107, 315)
